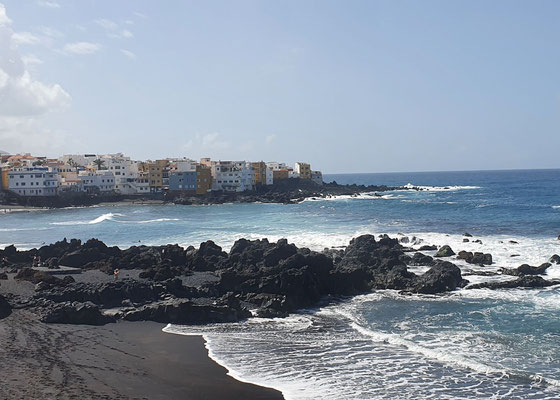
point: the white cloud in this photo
(208, 143)
(82, 48)
(48, 4)
(25, 102)
(22, 95)
(270, 138)
(106, 24)
(25, 38)
(129, 54)
(51, 32)
(129, 22)
(31, 59)
(124, 34)
(140, 15)
(4, 20)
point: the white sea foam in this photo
(101, 218)
(150, 221)
(440, 188)
(556, 207)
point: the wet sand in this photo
(126, 360)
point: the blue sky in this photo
(351, 86)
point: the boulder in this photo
(526, 269)
(475, 258)
(442, 277)
(555, 259)
(74, 313)
(524, 282)
(466, 234)
(427, 248)
(445, 251)
(3, 276)
(185, 312)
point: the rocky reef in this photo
(206, 284)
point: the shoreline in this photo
(125, 360)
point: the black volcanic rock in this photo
(181, 311)
(475, 258)
(427, 247)
(523, 282)
(555, 259)
(5, 308)
(445, 251)
(74, 313)
(442, 277)
(526, 269)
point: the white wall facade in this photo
(232, 176)
(34, 181)
(102, 181)
(125, 172)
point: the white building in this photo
(276, 166)
(101, 181)
(34, 181)
(124, 170)
(269, 176)
(232, 176)
(82, 160)
(317, 177)
(293, 174)
(182, 165)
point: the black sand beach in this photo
(127, 360)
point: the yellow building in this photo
(259, 169)
(304, 170)
(203, 179)
(154, 173)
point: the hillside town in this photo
(33, 176)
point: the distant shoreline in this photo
(285, 193)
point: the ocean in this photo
(498, 344)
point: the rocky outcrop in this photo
(74, 313)
(475, 258)
(181, 311)
(555, 259)
(523, 282)
(274, 278)
(526, 269)
(442, 277)
(445, 251)
(427, 247)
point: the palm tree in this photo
(99, 162)
(73, 164)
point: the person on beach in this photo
(116, 273)
(35, 261)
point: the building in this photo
(276, 166)
(317, 177)
(203, 179)
(79, 160)
(280, 174)
(303, 170)
(232, 176)
(183, 181)
(101, 181)
(34, 181)
(154, 173)
(259, 173)
(124, 170)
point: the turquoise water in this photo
(467, 344)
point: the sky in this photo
(349, 86)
